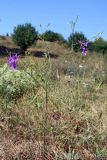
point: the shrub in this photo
(100, 45)
(14, 83)
(52, 36)
(73, 40)
(24, 36)
(3, 37)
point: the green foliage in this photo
(52, 36)
(15, 83)
(101, 153)
(24, 36)
(99, 45)
(74, 38)
(7, 34)
(3, 37)
(71, 155)
(91, 46)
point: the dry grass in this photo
(77, 111)
(7, 42)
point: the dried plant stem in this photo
(45, 113)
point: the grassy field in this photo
(64, 115)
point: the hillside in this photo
(38, 48)
(53, 109)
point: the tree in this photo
(100, 45)
(7, 35)
(52, 36)
(24, 36)
(73, 40)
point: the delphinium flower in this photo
(13, 61)
(84, 47)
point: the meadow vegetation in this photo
(53, 107)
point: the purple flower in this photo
(84, 47)
(13, 61)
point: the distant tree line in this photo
(99, 45)
(25, 35)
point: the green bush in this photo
(24, 36)
(52, 36)
(73, 40)
(16, 83)
(99, 45)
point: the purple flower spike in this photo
(84, 51)
(84, 47)
(13, 61)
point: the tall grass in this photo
(73, 98)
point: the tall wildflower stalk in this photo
(46, 87)
(72, 25)
(47, 70)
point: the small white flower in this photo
(80, 66)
